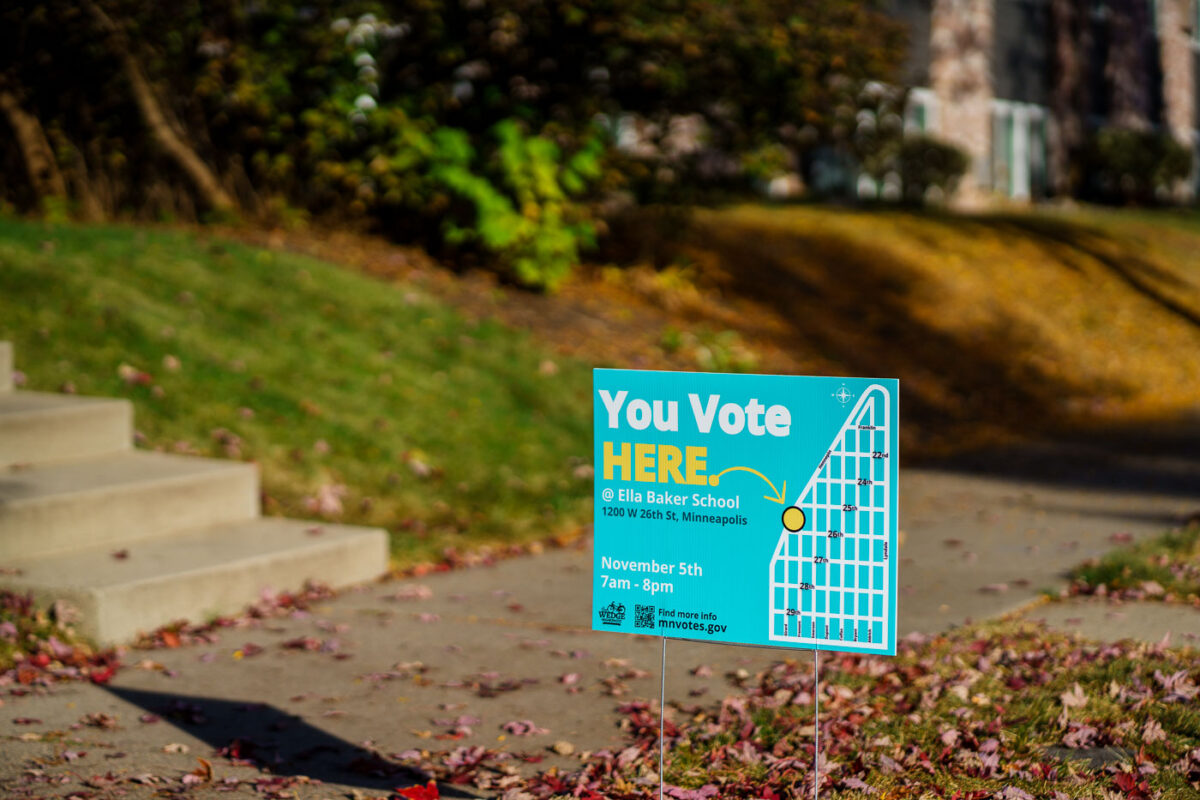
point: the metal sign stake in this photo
(816, 721)
(662, 715)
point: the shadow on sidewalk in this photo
(1158, 458)
(260, 735)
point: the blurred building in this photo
(1018, 83)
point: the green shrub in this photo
(1134, 167)
(475, 121)
(523, 212)
(929, 166)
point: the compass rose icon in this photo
(843, 395)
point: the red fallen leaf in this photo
(26, 721)
(103, 675)
(170, 639)
(40, 660)
(302, 643)
(427, 792)
(1128, 783)
(26, 674)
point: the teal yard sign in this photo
(749, 509)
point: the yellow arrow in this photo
(779, 494)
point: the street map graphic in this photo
(829, 577)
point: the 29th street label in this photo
(763, 506)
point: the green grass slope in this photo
(349, 392)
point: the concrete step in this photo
(37, 428)
(197, 574)
(6, 367)
(114, 500)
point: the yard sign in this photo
(751, 509)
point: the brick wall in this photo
(1179, 74)
(962, 37)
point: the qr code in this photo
(643, 616)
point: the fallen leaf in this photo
(204, 772)
(427, 792)
(523, 727)
(1073, 697)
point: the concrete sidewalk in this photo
(395, 665)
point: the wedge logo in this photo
(613, 613)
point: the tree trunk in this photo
(1125, 71)
(1071, 47)
(155, 117)
(90, 209)
(44, 175)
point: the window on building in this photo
(1019, 150)
(1001, 148)
(920, 111)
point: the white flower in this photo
(364, 102)
(367, 19)
(340, 25)
(472, 70)
(364, 60)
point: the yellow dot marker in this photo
(714, 479)
(793, 518)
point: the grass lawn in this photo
(1000, 326)
(362, 400)
(969, 715)
(996, 711)
(1018, 323)
(1166, 567)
